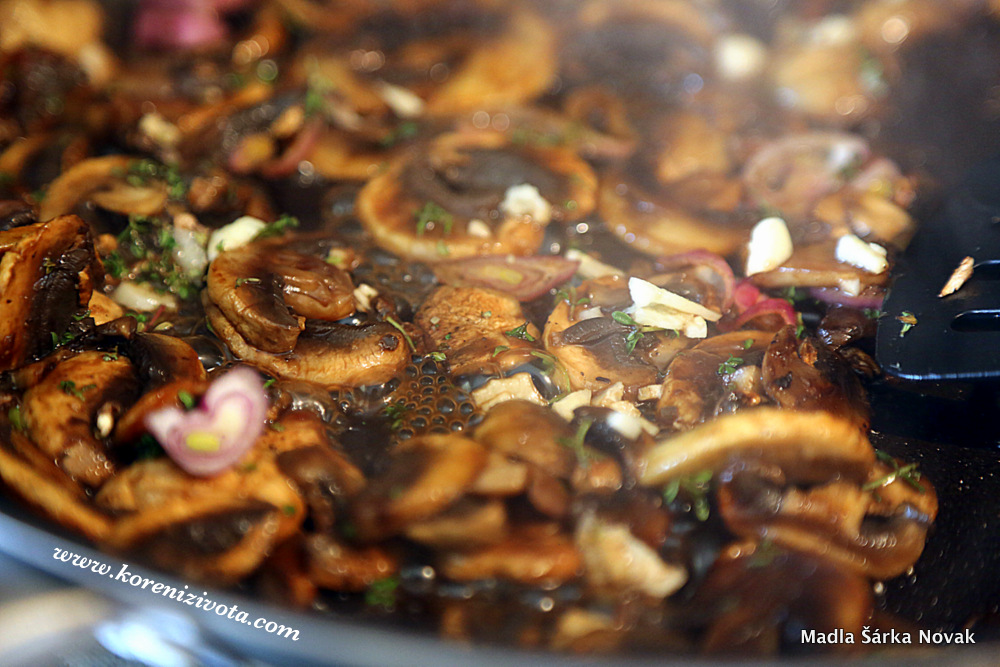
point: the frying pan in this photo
(950, 429)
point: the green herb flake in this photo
(520, 332)
(401, 132)
(278, 227)
(430, 215)
(110, 356)
(289, 510)
(186, 399)
(69, 387)
(16, 419)
(276, 427)
(624, 318)
(391, 320)
(269, 383)
(583, 455)
(382, 593)
(748, 343)
(873, 313)
(437, 356)
(730, 365)
(498, 349)
(696, 488)
(82, 316)
(909, 321)
(908, 473)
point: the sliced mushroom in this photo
(756, 590)
(808, 446)
(597, 350)
(839, 521)
(468, 524)
(62, 412)
(328, 354)
(815, 265)
(534, 554)
(470, 324)
(807, 375)
(695, 389)
(530, 433)
(266, 293)
(342, 567)
(424, 476)
(217, 528)
(47, 274)
(452, 200)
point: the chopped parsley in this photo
(520, 332)
(583, 455)
(568, 294)
(69, 387)
(278, 227)
(402, 132)
(695, 487)
(382, 593)
(908, 473)
(391, 320)
(395, 412)
(437, 356)
(498, 349)
(873, 313)
(269, 382)
(730, 365)
(430, 215)
(748, 343)
(908, 320)
(16, 419)
(289, 510)
(141, 172)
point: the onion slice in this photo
(216, 434)
(524, 278)
(767, 307)
(869, 298)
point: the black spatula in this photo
(957, 336)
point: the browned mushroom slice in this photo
(425, 475)
(535, 554)
(514, 67)
(839, 521)
(753, 590)
(815, 265)
(695, 389)
(62, 412)
(31, 475)
(526, 432)
(105, 178)
(470, 324)
(209, 529)
(598, 350)
(474, 193)
(326, 353)
(341, 567)
(807, 375)
(468, 524)
(47, 274)
(266, 293)
(808, 446)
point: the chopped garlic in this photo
(645, 293)
(161, 131)
(958, 277)
(614, 392)
(479, 229)
(739, 57)
(239, 232)
(105, 422)
(142, 297)
(404, 103)
(627, 425)
(868, 256)
(501, 390)
(691, 326)
(525, 199)
(591, 267)
(770, 246)
(565, 406)
(363, 295)
(650, 392)
(850, 286)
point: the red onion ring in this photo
(834, 296)
(301, 148)
(773, 307)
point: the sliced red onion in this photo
(714, 263)
(778, 308)
(746, 295)
(867, 299)
(525, 278)
(792, 173)
(216, 434)
(182, 24)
